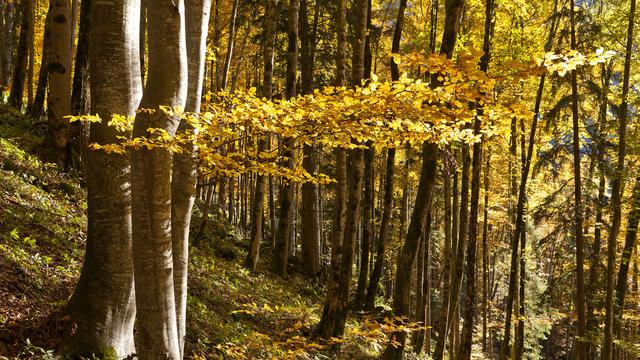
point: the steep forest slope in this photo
(232, 313)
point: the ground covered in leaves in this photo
(232, 313)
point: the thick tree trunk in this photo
(59, 67)
(617, 184)
(102, 308)
(157, 323)
(22, 56)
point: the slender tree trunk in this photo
(9, 42)
(485, 253)
(31, 46)
(310, 218)
(617, 184)
(287, 204)
(155, 268)
(580, 298)
(37, 108)
(327, 327)
(22, 56)
(184, 175)
(407, 257)
(469, 308)
(383, 235)
(102, 308)
(80, 87)
(257, 212)
(367, 225)
(230, 44)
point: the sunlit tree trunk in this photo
(157, 320)
(102, 308)
(578, 228)
(615, 310)
(59, 94)
(37, 108)
(230, 44)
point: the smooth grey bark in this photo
(102, 308)
(59, 95)
(184, 175)
(157, 319)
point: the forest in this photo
(319, 179)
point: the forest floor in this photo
(232, 313)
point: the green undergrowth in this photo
(232, 313)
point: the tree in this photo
(22, 55)
(102, 308)
(59, 91)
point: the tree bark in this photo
(59, 95)
(580, 297)
(617, 185)
(230, 44)
(257, 212)
(406, 259)
(37, 108)
(102, 308)
(287, 205)
(80, 88)
(157, 323)
(310, 212)
(367, 226)
(22, 56)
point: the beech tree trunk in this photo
(230, 44)
(59, 95)
(155, 268)
(102, 308)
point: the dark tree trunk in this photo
(20, 64)
(37, 108)
(80, 86)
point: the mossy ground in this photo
(232, 313)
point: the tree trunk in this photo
(485, 253)
(327, 327)
(102, 308)
(453, 17)
(580, 298)
(406, 259)
(184, 175)
(310, 213)
(287, 205)
(367, 225)
(37, 108)
(617, 184)
(80, 88)
(469, 309)
(59, 67)
(383, 235)
(8, 43)
(22, 56)
(230, 44)
(257, 212)
(157, 323)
